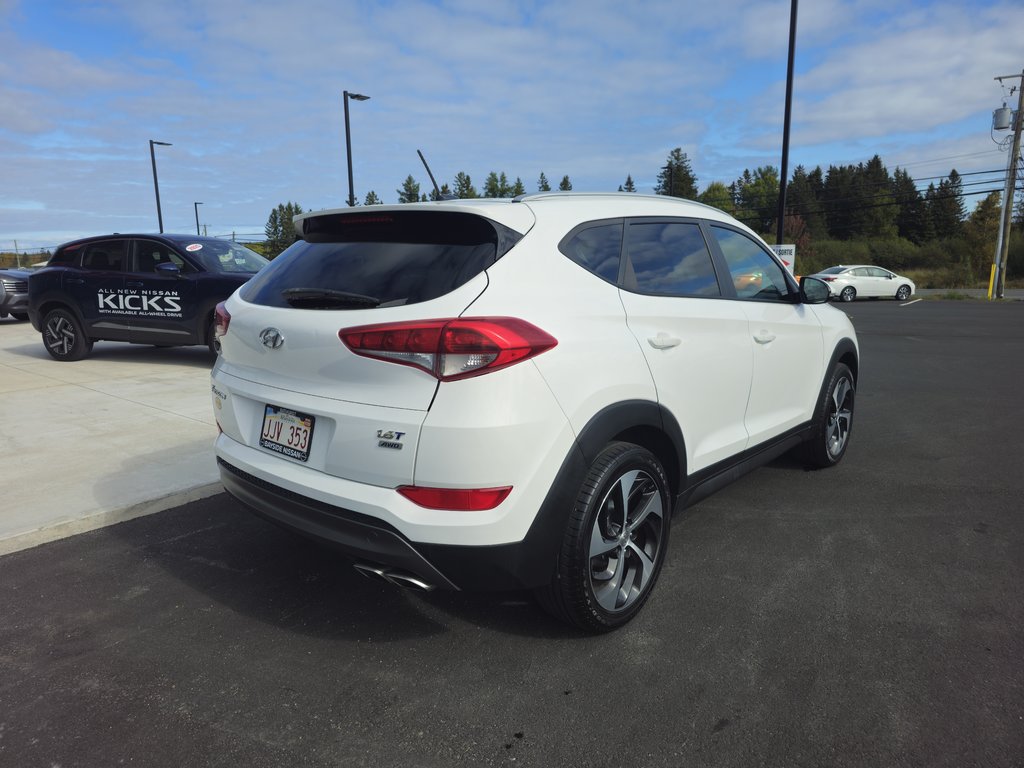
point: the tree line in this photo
(843, 214)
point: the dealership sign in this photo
(786, 254)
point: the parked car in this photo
(144, 289)
(860, 281)
(509, 394)
(14, 293)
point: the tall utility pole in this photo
(1003, 242)
(785, 125)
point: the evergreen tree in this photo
(802, 199)
(372, 199)
(757, 198)
(410, 191)
(565, 185)
(542, 183)
(913, 221)
(518, 188)
(676, 177)
(497, 186)
(946, 206)
(838, 192)
(280, 228)
(877, 209)
(629, 186)
(464, 187)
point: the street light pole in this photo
(156, 185)
(196, 206)
(348, 144)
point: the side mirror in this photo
(813, 291)
(168, 269)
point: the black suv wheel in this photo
(63, 336)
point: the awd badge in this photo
(387, 438)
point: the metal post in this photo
(156, 184)
(196, 206)
(785, 125)
(348, 144)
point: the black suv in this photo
(143, 289)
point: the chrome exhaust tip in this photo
(402, 579)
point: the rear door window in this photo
(669, 258)
(105, 256)
(362, 260)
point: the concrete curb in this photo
(101, 519)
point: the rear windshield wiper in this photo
(326, 298)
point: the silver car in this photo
(14, 293)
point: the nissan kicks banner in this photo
(151, 303)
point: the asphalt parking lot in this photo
(870, 615)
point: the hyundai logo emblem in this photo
(271, 338)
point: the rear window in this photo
(226, 256)
(360, 260)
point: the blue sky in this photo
(249, 93)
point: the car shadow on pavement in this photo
(217, 548)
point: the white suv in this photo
(509, 394)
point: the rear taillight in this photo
(453, 348)
(221, 320)
(455, 499)
(829, 279)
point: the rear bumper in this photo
(368, 541)
(358, 536)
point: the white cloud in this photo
(249, 92)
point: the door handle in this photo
(75, 281)
(764, 337)
(131, 284)
(663, 341)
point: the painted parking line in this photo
(911, 302)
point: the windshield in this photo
(226, 256)
(833, 270)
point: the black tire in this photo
(614, 544)
(63, 337)
(833, 420)
(849, 293)
(903, 293)
(22, 316)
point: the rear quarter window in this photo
(597, 247)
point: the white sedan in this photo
(860, 281)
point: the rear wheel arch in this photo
(644, 423)
(48, 305)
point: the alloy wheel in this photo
(840, 416)
(626, 540)
(60, 335)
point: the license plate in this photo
(289, 433)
